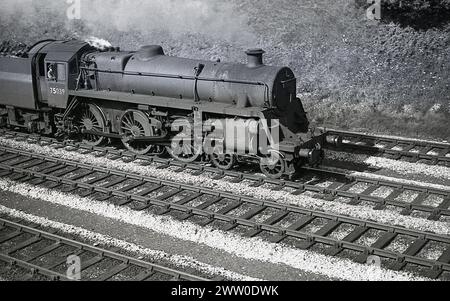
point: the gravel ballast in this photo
(361, 212)
(249, 248)
(155, 255)
(401, 167)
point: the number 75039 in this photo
(57, 91)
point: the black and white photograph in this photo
(242, 143)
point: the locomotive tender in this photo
(68, 88)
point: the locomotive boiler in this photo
(193, 109)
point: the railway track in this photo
(411, 150)
(277, 221)
(342, 186)
(46, 254)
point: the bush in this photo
(418, 14)
(387, 77)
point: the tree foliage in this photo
(418, 14)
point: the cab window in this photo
(73, 67)
(61, 75)
(51, 72)
(56, 72)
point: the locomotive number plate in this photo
(57, 91)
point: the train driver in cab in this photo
(51, 73)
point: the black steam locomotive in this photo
(156, 103)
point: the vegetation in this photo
(384, 77)
(418, 14)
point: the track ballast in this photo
(47, 254)
(136, 191)
(340, 188)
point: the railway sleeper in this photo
(282, 234)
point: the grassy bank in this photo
(384, 77)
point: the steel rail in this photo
(368, 143)
(279, 233)
(331, 192)
(123, 262)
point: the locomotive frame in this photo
(69, 88)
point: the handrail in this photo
(186, 77)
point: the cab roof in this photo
(62, 51)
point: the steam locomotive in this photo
(155, 103)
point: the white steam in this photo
(215, 19)
(98, 43)
(208, 17)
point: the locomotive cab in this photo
(57, 83)
(58, 71)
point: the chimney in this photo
(255, 57)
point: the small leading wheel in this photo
(273, 167)
(223, 161)
(134, 124)
(90, 118)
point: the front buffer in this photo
(308, 150)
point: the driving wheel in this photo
(135, 124)
(90, 118)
